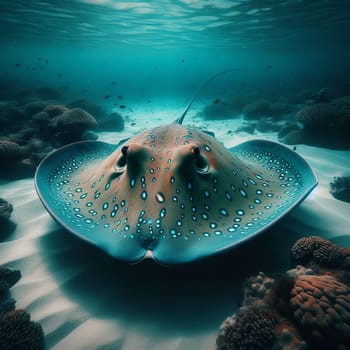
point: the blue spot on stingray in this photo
(89, 204)
(207, 148)
(144, 195)
(204, 216)
(105, 206)
(243, 193)
(107, 186)
(240, 212)
(228, 196)
(132, 182)
(162, 213)
(223, 212)
(172, 179)
(206, 194)
(97, 195)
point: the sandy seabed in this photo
(86, 300)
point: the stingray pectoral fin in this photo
(275, 179)
(52, 185)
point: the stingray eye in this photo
(121, 162)
(201, 162)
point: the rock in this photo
(112, 122)
(340, 188)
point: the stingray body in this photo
(172, 192)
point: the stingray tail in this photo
(180, 119)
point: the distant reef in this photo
(33, 123)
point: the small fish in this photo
(85, 90)
(182, 60)
(113, 83)
(47, 61)
(60, 75)
(107, 96)
(122, 106)
(216, 101)
(119, 97)
(268, 67)
(18, 65)
(39, 58)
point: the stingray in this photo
(173, 193)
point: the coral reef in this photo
(17, 331)
(308, 307)
(340, 188)
(43, 122)
(322, 124)
(257, 109)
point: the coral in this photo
(319, 251)
(33, 107)
(323, 125)
(75, 119)
(6, 209)
(340, 188)
(112, 122)
(17, 331)
(318, 115)
(321, 306)
(257, 109)
(307, 307)
(10, 275)
(54, 110)
(225, 108)
(95, 110)
(250, 328)
(300, 270)
(10, 150)
(247, 127)
(256, 288)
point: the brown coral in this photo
(250, 328)
(75, 118)
(318, 115)
(256, 288)
(316, 250)
(54, 110)
(257, 109)
(10, 150)
(321, 307)
(17, 331)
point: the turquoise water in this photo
(149, 52)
